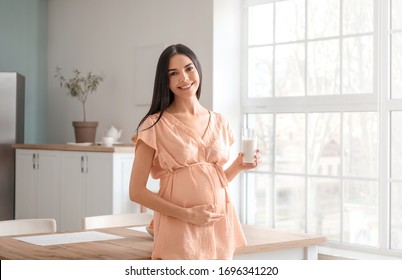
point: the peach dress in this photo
(190, 171)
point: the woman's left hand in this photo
(248, 166)
(238, 166)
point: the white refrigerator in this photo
(12, 104)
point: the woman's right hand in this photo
(203, 215)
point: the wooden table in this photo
(263, 243)
(271, 244)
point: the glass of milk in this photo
(249, 143)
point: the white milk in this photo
(249, 148)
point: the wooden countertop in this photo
(117, 148)
(138, 245)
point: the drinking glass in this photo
(249, 144)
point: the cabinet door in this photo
(48, 185)
(86, 187)
(72, 190)
(37, 184)
(122, 165)
(99, 184)
(25, 185)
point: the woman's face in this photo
(183, 76)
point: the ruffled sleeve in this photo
(148, 134)
(228, 130)
(230, 133)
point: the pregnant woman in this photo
(185, 146)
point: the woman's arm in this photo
(202, 215)
(237, 166)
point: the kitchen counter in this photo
(117, 148)
(69, 182)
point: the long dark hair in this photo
(162, 95)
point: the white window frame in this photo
(379, 101)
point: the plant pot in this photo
(85, 131)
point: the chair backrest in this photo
(27, 226)
(116, 220)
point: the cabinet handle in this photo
(84, 164)
(35, 161)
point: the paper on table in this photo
(138, 228)
(68, 238)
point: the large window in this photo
(323, 87)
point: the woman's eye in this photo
(190, 68)
(171, 74)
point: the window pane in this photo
(323, 68)
(260, 24)
(324, 208)
(289, 21)
(290, 143)
(396, 216)
(265, 127)
(360, 141)
(320, 174)
(357, 63)
(361, 212)
(260, 72)
(259, 199)
(323, 20)
(396, 11)
(358, 16)
(396, 145)
(324, 144)
(289, 203)
(396, 65)
(289, 70)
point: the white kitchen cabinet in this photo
(123, 163)
(86, 186)
(69, 185)
(38, 177)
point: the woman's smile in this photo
(186, 86)
(183, 76)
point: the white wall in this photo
(226, 74)
(102, 35)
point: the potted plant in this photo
(80, 86)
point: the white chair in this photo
(27, 226)
(116, 220)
